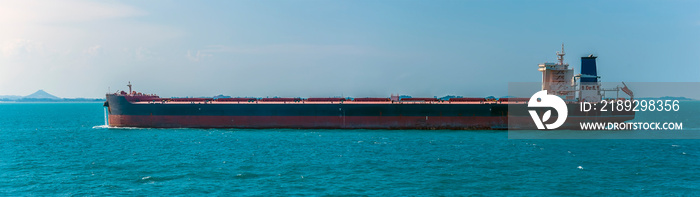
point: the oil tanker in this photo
(133, 109)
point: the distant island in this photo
(680, 98)
(43, 96)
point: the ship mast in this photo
(129, 87)
(561, 55)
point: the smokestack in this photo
(588, 69)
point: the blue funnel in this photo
(588, 67)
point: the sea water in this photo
(55, 149)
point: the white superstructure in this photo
(557, 78)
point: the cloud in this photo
(94, 50)
(142, 53)
(195, 57)
(23, 12)
(292, 49)
(23, 48)
(58, 29)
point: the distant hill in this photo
(680, 98)
(10, 97)
(41, 94)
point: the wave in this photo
(113, 127)
(101, 127)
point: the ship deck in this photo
(307, 102)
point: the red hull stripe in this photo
(310, 122)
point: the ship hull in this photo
(337, 115)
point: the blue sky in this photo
(81, 48)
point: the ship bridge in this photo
(557, 78)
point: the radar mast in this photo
(561, 55)
(129, 87)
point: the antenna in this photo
(129, 87)
(561, 55)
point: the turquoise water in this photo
(53, 149)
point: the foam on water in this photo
(102, 127)
(113, 127)
(106, 119)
